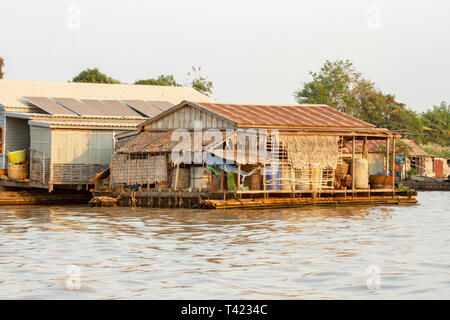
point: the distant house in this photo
(427, 165)
(68, 128)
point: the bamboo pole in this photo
(43, 167)
(387, 157)
(353, 164)
(176, 176)
(393, 164)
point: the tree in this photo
(437, 124)
(200, 83)
(162, 80)
(333, 86)
(341, 87)
(1, 67)
(94, 76)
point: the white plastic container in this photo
(361, 174)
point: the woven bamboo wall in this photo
(75, 173)
(138, 169)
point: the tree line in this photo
(197, 81)
(340, 86)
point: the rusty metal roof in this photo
(372, 146)
(284, 115)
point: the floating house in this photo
(425, 164)
(217, 155)
(66, 129)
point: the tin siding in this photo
(16, 136)
(82, 146)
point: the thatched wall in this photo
(305, 152)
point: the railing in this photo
(40, 163)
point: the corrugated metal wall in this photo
(2, 125)
(16, 135)
(82, 146)
(40, 139)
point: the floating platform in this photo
(251, 200)
(41, 197)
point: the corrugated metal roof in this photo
(415, 150)
(284, 115)
(11, 91)
(372, 146)
(81, 124)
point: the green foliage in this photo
(2, 63)
(200, 83)
(333, 85)
(341, 87)
(437, 124)
(162, 80)
(94, 76)
(410, 172)
(402, 187)
(197, 81)
(401, 148)
(437, 150)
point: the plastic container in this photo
(361, 174)
(17, 156)
(272, 178)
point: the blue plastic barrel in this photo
(272, 177)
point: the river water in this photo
(75, 252)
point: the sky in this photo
(253, 51)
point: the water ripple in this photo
(304, 253)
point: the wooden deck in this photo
(250, 199)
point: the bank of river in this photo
(301, 253)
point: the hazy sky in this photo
(253, 51)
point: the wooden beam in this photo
(387, 157)
(393, 163)
(353, 163)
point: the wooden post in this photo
(223, 180)
(176, 176)
(129, 168)
(393, 164)
(43, 167)
(387, 157)
(111, 170)
(31, 162)
(264, 180)
(148, 171)
(353, 163)
(239, 178)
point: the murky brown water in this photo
(187, 254)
